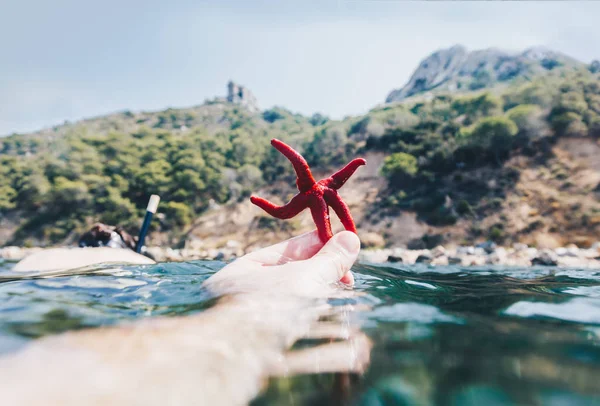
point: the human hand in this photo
(224, 355)
(301, 266)
(269, 288)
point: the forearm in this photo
(220, 356)
(270, 298)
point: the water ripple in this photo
(578, 310)
(442, 335)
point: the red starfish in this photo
(316, 195)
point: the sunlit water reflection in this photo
(442, 335)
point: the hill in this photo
(457, 70)
(517, 161)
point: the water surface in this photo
(442, 335)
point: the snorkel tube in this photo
(150, 210)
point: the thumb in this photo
(336, 257)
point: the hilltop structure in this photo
(241, 95)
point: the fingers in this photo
(331, 330)
(352, 355)
(336, 257)
(347, 279)
(295, 249)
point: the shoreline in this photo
(483, 254)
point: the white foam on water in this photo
(93, 283)
(422, 284)
(582, 310)
(412, 312)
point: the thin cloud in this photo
(72, 59)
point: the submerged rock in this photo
(376, 256)
(518, 255)
(441, 260)
(546, 258)
(498, 256)
(438, 251)
(423, 259)
(454, 260)
(572, 250)
(488, 246)
(474, 260)
(518, 246)
(470, 250)
(465, 250)
(395, 259)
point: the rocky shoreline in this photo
(483, 254)
(518, 255)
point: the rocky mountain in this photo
(517, 164)
(457, 69)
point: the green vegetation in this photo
(61, 180)
(60, 183)
(431, 162)
(400, 167)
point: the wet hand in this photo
(224, 355)
(301, 266)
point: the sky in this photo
(70, 59)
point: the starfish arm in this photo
(320, 215)
(338, 179)
(287, 211)
(305, 178)
(341, 209)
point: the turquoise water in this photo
(442, 335)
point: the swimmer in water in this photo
(111, 245)
(265, 302)
(101, 244)
(102, 235)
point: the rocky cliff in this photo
(457, 69)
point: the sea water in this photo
(441, 335)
